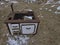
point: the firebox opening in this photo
(23, 16)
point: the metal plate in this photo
(28, 29)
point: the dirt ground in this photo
(49, 27)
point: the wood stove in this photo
(23, 22)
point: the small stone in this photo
(41, 16)
(7, 44)
(2, 16)
(13, 2)
(46, 8)
(7, 0)
(49, 10)
(58, 8)
(7, 34)
(40, 8)
(38, 15)
(57, 12)
(32, 41)
(53, 5)
(2, 3)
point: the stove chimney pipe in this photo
(12, 7)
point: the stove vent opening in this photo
(23, 16)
